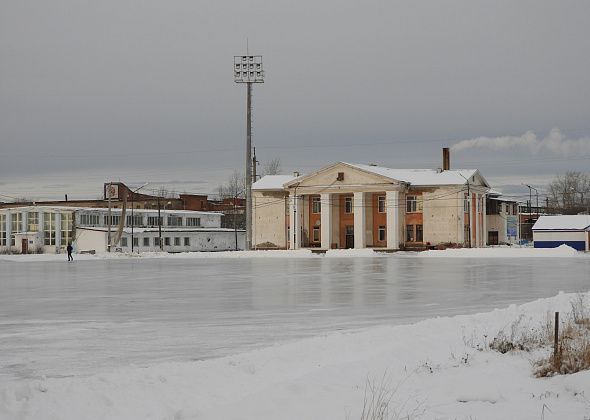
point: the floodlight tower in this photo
(248, 69)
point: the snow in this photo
(438, 368)
(571, 222)
(418, 177)
(562, 251)
(272, 182)
(282, 334)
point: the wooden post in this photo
(556, 339)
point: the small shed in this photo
(553, 231)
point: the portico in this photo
(344, 207)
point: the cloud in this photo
(555, 143)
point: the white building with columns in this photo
(348, 205)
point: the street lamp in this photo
(132, 218)
(248, 69)
(531, 200)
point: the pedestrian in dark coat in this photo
(70, 249)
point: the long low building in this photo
(553, 231)
(347, 205)
(49, 229)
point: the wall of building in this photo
(440, 215)
(553, 239)
(269, 219)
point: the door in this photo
(492, 238)
(24, 246)
(350, 236)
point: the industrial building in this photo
(571, 230)
(48, 229)
(347, 205)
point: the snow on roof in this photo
(115, 210)
(272, 182)
(420, 176)
(574, 222)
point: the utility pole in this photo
(468, 211)
(254, 163)
(132, 218)
(248, 69)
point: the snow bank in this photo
(439, 368)
(492, 252)
(503, 252)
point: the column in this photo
(326, 221)
(24, 222)
(58, 231)
(484, 217)
(471, 221)
(360, 220)
(393, 220)
(295, 213)
(477, 220)
(8, 229)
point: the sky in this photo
(142, 91)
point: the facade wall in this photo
(269, 219)
(441, 214)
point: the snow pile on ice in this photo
(349, 253)
(438, 368)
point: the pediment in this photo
(341, 175)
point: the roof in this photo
(573, 222)
(418, 177)
(272, 182)
(113, 210)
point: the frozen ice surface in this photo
(59, 319)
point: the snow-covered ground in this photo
(294, 336)
(437, 369)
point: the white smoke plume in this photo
(555, 143)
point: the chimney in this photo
(446, 159)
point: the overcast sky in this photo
(142, 91)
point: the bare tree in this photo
(570, 193)
(272, 167)
(235, 187)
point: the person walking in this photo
(70, 249)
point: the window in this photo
(2, 230)
(316, 205)
(193, 221)
(174, 221)
(123, 241)
(381, 232)
(419, 233)
(91, 219)
(466, 204)
(49, 228)
(187, 241)
(137, 220)
(156, 241)
(146, 242)
(409, 233)
(66, 229)
(316, 234)
(176, 241)
(115, 219)
(153, 221)
(381, 204)
(135, 241)
(413, 204)
(33, 222)
(167, 241)
(348, 205)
